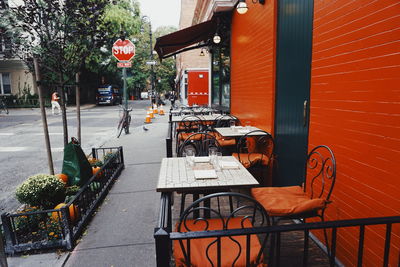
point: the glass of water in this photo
(217, 160)
(190, 157)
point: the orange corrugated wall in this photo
(355, 109)
(253, 65)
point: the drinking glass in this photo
(217, 160)
(211, 154)
(190, 157)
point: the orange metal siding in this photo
(355, 109)
(253, 65)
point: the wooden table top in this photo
(176, 175)
(211, 117)
(238, 131)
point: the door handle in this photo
(305, 113)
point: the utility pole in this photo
(152, 66)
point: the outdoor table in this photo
(176, 112)
(211, 117)
(176, 175)
(237, 131)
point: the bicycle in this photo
(124, 122)
(3, 106)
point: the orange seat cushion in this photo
(288, 204)
(184, 136)
(229, 248)
(226, 141)
(251, 159)
(290, 190)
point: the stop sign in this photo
(123, 50)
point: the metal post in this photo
(78, 106)
(125, 89)
(44, 118)
(152, 66)
(3, 258)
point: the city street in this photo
(22, 143)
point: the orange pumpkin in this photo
(95, 170)
(73, 212)
(63, 177)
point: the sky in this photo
(161, 12)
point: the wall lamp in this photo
(216, 38)
(242, 8)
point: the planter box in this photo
(64, 226)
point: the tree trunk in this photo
(63, 111)
(78, 106)
(44, 118)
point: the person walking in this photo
(54, 102)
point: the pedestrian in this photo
(54, 102)
(172, 98)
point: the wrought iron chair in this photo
(190, 124)
(200, 143)
(225, 249)
(255, 151)
(227, 143)
(296, 202)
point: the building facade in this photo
(319, 72)
(192, 60)
(15, 77)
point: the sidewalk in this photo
(121, 232)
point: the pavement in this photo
(121, 232)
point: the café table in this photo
(177, 176)
(237, 131)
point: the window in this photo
(5, 83)
(221, 70)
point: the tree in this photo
(165, 71)
(61, 34)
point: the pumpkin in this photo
(95, 170)
(73, 212)
(63, 177)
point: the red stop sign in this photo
(123, 50)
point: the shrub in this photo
(41, 190)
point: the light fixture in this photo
(202, 53)
(242, 8)
(217, 38)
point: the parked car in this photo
(108, 94)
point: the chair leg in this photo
(328, 250)
(183, 197)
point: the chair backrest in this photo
(191, 123)
(256, 142)
(225, 121)
(200, 143)
(321, 170)
(224, 211)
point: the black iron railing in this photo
(168, 140)
(64, 226)
(164, 236)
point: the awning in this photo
(182, 40)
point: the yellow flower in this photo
(52, 233)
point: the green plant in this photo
(27, 223)
(51, 228)
(72, 190)
(41, 190)
(108, 156)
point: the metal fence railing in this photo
(60, 228)
(165, 236)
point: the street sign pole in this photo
(125, 90)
